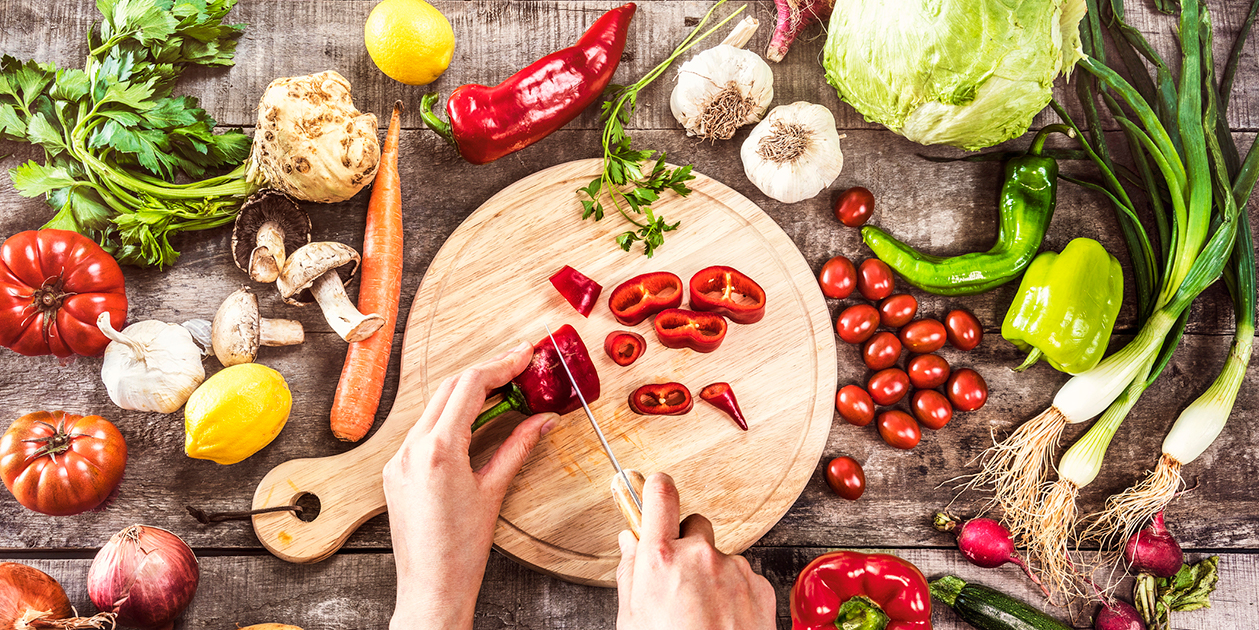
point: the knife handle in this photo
(621, 495)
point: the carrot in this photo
(363, 376)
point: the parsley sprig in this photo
(623, 179)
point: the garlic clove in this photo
(794, 153)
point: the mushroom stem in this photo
(280, 332)
(267, 258)
(346, 320)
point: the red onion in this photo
(144, 574)
(1117, 614)
(1154, 551)
(986, 543)
(30, 598)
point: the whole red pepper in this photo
(624, 347)
(721, 396)
(642, 296)
(544, 386)
(680, 328)
(727, 291)
(662, 399)
(866, 588)
(487, 123)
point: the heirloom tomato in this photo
(60, 464)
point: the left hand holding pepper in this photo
(442, 512)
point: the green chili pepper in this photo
(1026, 205)
(1066, 307)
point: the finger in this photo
(473, 385)
(625, 570)
(432, 410)
(698, 525)
(660, 509)
(511, 455)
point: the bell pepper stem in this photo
(861, 613)
(1032, 358)
(432, 121)
(513, 400)
(1038, 142)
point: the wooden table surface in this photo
(945, 208)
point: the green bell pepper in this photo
(1066, 307)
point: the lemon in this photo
(235, 413)
(409, 40)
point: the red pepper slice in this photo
(856, 585)
(624, 347)
(726, 291)
(663, 399)
(721, 396)
(642, 296)
(680, 328)
(487, 123)
(544, 386)
(579, 290)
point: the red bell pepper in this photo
(726, 291)
(680, 328)
(869, 589)
(642, 296)
(663, 399)
(487, 123)
(580, 291)
(624, 347)
(544, 386)
(721, 396)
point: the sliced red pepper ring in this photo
(662, 399)
(624, 347)
(721, 396)
(642, 296)
(727, 291)
(853, 586)
(680, 328)
(579, 290)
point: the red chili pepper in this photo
(642, 296)
(487, 123)
(721, 396)
(726, 291)
(580, 291)
(680, 328)
(624, 346)
(664, 399)
(544, 386)
(849, 585)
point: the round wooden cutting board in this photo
(488, 289)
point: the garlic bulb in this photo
(723, 88)
(150, 365)
(794, 153)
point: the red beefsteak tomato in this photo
(53, 285)
(59, 464)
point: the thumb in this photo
(513, 452)
(625, 572)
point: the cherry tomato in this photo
(888, 386)
(838, 278)
(923, 336)
(874, 279)
(899, 429)
(881, 351)
(931, 408)
(845, 476)
(854, 206)
(928, 371)
(59, 464)
(896, 310)
(967, 390)
(965, 332)
(857, 323)
(854, 405)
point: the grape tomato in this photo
(928, 371)
(964, 330)
(845, 476)
(888, 386)
(899, 429)
(854, 206)
(874, 279)
(897, 310)
(857, 323)
(854, 405)
(967, 390)
(931, 408)
(838, 278)
(923, 336)
(881, 351)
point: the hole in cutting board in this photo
(310, 507)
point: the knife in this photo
(627, 486)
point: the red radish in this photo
(1117, 614)
(1154, 551)
(986, 543)
(793, 16)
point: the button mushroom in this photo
(238, 331)
(268, 227)
(315, 271)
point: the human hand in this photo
(667, 582)
(441, 512)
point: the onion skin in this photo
(24, 588)
(1154, 551)
(144, 574)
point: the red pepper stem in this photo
(513, 400)
(441, 127)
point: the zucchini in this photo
(990, 609)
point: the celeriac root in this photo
(1049, 541)
(1128, 511)
(1017, 467)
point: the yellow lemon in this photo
(235, 413)
(409, 40)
